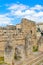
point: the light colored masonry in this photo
(17, 39)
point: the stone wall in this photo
(18, 35)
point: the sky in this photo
(12, 11)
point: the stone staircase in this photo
(30, 60)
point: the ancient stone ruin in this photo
(16, 42)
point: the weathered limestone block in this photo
(19, 52)
(8, 54)
(40, 43)
(28, 45)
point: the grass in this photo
(1, 58)
(4, 63)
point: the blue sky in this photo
(12, 11)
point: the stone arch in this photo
(19, 52)
(8, 48)
(8, 53)
(28, 44)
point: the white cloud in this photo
(21, 11)
(24, 11)
(39, 14)
(4, 20)
(37, 7)
(18, 7)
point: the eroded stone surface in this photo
(20, 37)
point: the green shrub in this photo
(1, 63)
(35, 48)
(1, 58)
(17, 57)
